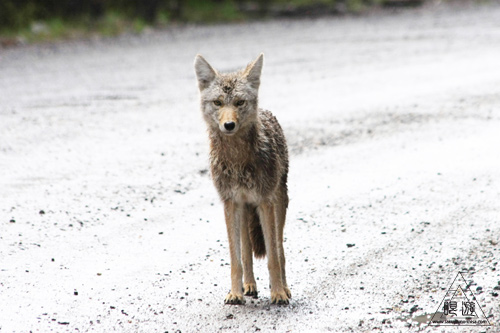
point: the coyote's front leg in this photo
(279, 294)
(233, 225)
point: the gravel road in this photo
(109, 220)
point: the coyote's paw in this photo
(280, 298)
(234, 299)
(288, 292)
(250, 289)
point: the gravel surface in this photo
(109, 220)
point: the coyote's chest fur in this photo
(248, 168)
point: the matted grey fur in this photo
(249, 167)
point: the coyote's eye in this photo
(240, 103)
(217, 103)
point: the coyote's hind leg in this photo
(249, 285)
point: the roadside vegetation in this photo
(26, 21)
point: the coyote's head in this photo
(228, 101)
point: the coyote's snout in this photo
(249, 164)
(228, 120)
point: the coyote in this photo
(249, 166)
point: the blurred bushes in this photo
(20, 14)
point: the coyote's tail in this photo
(256, 235)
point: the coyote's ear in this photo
(253, 71)
(204, 72)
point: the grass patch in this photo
(111, 24)
(26, 27)
(210, 12)
(355, 6)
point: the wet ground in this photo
(109, 220)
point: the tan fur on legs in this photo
(280, 214)
(233, 234)
(249, 285)
(269, 227)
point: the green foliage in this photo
(111, 24)
(53, 19)
(16, 15)
(306, 2)
(163, 18)
(211, 11)
(355, 6)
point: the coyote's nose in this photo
(230, 125)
